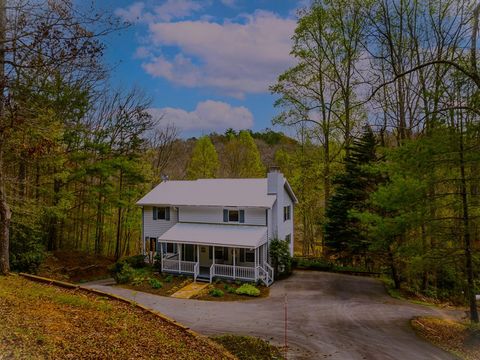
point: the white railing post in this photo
(234, 261)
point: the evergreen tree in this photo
(343, 234)
(204, 162)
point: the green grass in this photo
(249, 348)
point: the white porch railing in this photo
(233, 272)
(265, 275)
(196, 271)
(270, 272)
(172, 265)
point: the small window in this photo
(233, 215)
(161, 213)
(286, 213)
(288, 238)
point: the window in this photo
(171, 248)
(233, 215)
(161, 213)
(221, 253)
(286, 213)
(247, 255)
(288, 238)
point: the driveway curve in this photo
(329, 315)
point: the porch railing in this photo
(233, 272)
(196, 271)
(172, 265)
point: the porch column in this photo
(255, 263)
(198, 253)
(179, 256)
(234, 261)
(161, 256)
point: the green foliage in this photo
(344, 235)
(242, 156)
(135, 261)
(311, 264)
(169, 279)
(247, 289)
(123, 273)
(229, 289)
(204, 162)
(155, 284)
(280, 255)
(216, 292)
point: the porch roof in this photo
(244, 236)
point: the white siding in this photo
(155, 228)
(214, 215)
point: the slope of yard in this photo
(461, 339)
(75, 266)
(42, 321)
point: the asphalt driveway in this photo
(329, 316)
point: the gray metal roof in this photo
(211, 192)
(222, 235)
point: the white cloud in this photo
(208, 116)
(168, 11)
(234, 57)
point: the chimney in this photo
(275, 180)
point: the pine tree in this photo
(343, 234)
(204, 162)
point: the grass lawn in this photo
(249, 348)
(170, 283)
(228, 289)
(461, 339)
(42, 321)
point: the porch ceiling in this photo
(222, 235)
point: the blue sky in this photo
(206, 64)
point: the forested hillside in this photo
(382, 108)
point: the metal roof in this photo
(221, 235)
(211, 192)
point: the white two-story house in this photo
(218, 227)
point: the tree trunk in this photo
(5, 213)
(466, 236)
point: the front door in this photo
(189, 252)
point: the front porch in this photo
(207, 262)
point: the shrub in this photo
(216, 292)
(229, 289)
(247, 289)
(155, 284)
(169, 278)
(125, 275)
(136, 261)
(280, 255)
(157, 262)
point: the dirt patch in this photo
(460, 339)
(228, 289)
(75, 266)
(248, 347)
(41, 321)
(170, 284)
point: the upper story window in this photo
(233, 215)
(161, 213)
(286, 213)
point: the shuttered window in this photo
(233, 215)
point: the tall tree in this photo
(343, 233)
(204, 162)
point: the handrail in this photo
(196, 271)
(212, 272)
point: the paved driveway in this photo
(329, 316)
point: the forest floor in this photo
(75, 266)
(43, 321)
(461, 339)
